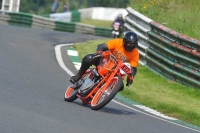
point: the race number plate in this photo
(125, 68)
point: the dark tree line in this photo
(44, 6)
(0, 3)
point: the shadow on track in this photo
(107, 109)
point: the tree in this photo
(44, 7)
(0, 3)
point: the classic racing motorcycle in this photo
(99, 85)
(116, 30)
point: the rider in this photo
(120, 20)
(121, 48)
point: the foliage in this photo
(101, 23)
(182, 16)
(44, 6)
(34, 6)
(0, 3)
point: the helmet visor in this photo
(129, 46)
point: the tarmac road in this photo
(32, 86)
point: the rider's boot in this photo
(76, 77)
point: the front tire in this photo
(70, 94)
(103, 98)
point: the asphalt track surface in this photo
(32, 86)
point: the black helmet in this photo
(119, 16)
(130, 41)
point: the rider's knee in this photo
(90, 60)
(87, 61)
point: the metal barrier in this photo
(29, 20)
(165, 51)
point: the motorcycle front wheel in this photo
(102, 98)
(70, 94)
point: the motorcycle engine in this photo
(88, 84)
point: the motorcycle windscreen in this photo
(105, 66)
(116, 25)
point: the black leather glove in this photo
(98, 52)
(129, 80)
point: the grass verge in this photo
(180, 15)
(100, 23)
(156, 92)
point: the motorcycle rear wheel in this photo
(103, 98)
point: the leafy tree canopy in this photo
(44, 6)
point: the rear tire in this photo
(103, 98)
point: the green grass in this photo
(154, 91)
(182, 16)
(100, 23)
